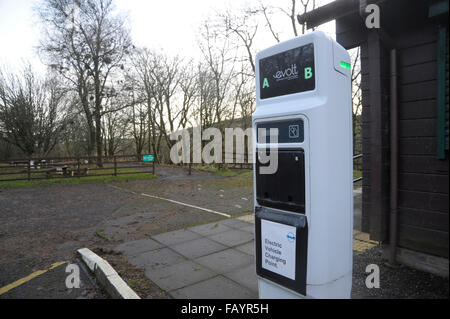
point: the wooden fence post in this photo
(154, 160)
(29, 169)
(115, 166)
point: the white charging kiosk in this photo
(304, 210)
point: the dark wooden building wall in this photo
(423, 179)
(375, 114)
(351, 32)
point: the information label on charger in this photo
(278, 243)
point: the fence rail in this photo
(39, 168)
(357, 166)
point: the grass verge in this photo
(76, 180)
(226, 171)
(357, 174)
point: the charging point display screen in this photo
(287, 72)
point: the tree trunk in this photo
(98, 140)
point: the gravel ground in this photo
(402, 282)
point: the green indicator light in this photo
(345, 65)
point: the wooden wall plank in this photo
(423, 200)
(418, 91)
(424, 182)
(423, 164)
(418, 146)
(419, 54)
(418, 73)
(417, 128)
(423, 218)
(423, 240)
(423, 109)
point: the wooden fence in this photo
(70, 167)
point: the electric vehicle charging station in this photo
(304, 210)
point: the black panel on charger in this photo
(285, 189)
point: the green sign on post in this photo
(148, 158)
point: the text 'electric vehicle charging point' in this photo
(303, 207)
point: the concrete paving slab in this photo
(215, 288)
(249, 228)
(250, 218)
(232, 237)
(176, 237)
(156, 259)
(136, 247)
(234, 223)
(246, 277)
(225, 261)
(209, 229)
(198, 247)
(248, 248)
(179, 275)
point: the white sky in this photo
(168, 24)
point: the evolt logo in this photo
(288, 74)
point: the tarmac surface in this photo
(43, 225)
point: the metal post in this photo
(394, 160)
(78, 166)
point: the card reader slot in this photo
(284, 189)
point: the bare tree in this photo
(220, 59)
(244, 27)
(189, 90)
(86, 48)
(356, 96)
(165, 74)
(292, 15)
(141, 76)
(267, 11)
(31, 111)
(114, 124)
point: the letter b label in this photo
(308, 73)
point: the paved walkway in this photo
(215, 260)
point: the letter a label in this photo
(265, 83)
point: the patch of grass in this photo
(134, 283)
(226, 171)
(101, 234)
(357, 174)
(76, 180)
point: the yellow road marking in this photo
(29, 277)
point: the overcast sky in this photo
(168, 24)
